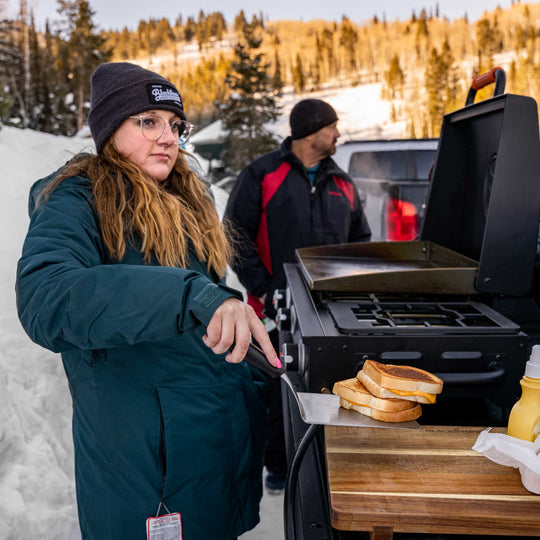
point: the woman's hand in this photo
(233, 323)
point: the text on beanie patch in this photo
(163, 94)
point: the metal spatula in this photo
(320, 409)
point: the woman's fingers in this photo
(261, 336)
(222, 326)
(231, 328)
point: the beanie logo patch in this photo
(164, 94)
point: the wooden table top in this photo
(425, 481)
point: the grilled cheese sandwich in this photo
(404, 382)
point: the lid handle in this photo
(495, 75)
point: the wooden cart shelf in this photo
(423, 481)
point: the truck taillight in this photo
(402, 221)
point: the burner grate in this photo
(417, 316)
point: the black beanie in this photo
(310, 115)
(121, 89)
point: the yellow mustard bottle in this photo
(524, 420)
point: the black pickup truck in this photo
(392, 177)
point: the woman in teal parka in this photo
(119, 273)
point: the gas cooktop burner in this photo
(375, 316)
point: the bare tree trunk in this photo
(26, 60)
(80, 106)
(20, 99)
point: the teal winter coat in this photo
(157, 416)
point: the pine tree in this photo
(190, 29)
(86, 50)
(422, 33)
(298, 77)
(348, 40)
(39, 97)
(56, 56)
(10, 62)
(435, 90)
(318, 72)
(488, 40)
(395, 77)
(277, 79)
(143, 37)
(442, 87)
(251, 105)
(124, 48)
(240, 23)
(216, 25)
(327, 44)
(163, 33)
(201, 30)
(17, 97)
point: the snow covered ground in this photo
(37, 494)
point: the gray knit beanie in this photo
(121, 89)
(310, 115)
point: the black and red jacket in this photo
(275, 209)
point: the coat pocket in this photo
(209, 448)
(207, 434)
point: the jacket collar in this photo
(327, 163)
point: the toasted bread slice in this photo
(402, 382)
(384, 416)
(356, 393)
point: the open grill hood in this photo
(481, 226)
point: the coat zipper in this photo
(311, 210)
(162, 455)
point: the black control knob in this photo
(279, 299)
(289, 356)
(283, 319)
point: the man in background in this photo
(290, 198)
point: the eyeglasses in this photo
(153, 126)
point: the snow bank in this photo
(361, 112)
(37, 493)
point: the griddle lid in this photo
(484, 199)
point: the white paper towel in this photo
(513, 452)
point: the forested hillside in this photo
(426, 63)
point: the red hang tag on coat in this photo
(166, 527)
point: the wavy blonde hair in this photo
(166, 216)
